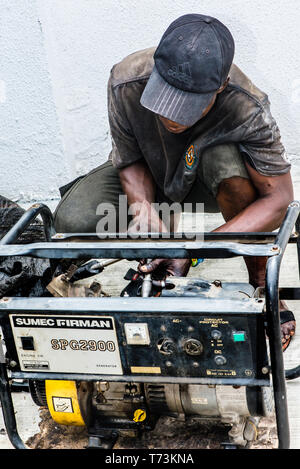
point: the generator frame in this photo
(212, 246)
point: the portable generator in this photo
(184, 347)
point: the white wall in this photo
(55, 61)
(30, 140)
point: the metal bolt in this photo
(217, 283)
(265, 370)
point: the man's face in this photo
(176, 128)
(171, 126)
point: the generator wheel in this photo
(38, 392)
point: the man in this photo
(188, 126)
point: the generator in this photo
(181, 347)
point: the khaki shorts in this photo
(76, 212)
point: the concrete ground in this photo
(27, 413)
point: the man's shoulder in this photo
(134, 67)
(241, 83)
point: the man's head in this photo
(192, 64)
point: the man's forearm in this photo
(265, 214)
(137, 183)
(256, 205)
(139, 187)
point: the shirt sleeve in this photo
(125, 149)
(263, 146)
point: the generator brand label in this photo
(66, 344)
(63, 322)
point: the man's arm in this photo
(137, 183)
(139, 187)
(267, 212)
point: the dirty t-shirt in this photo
(241, 115)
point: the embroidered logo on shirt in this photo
(190, 157)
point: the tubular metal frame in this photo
(214, 245)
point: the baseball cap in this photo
(191, 63)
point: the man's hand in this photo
(161, 268)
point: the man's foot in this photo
(288, 325)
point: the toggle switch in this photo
(216, 334)
(220, 360)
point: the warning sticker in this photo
(62, 404)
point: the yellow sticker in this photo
(145, 369)
(139, 415)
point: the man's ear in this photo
(223, 86)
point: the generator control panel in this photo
(141, 345)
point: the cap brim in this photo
(179, 106)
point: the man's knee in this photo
(222, 163)
(78, 210)
(238, 190)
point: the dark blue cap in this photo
(192, 62)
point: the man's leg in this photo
(78, 211)
(224, 171)
(234, 195)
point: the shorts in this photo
(76, 212)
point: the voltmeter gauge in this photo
(137, 333)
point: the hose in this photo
(293, 373)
